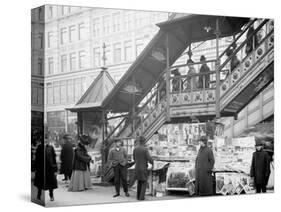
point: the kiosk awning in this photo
(95, 94)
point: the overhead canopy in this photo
(95, 94)
(148, 66)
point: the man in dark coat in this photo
(204, 70)
(252, 42)
(118, 159)
(203, 169)
(141, 158)
(66, 157)
(260, 168)
(45, 179)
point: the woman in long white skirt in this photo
(80, 178)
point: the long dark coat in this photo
(203, 172)
(81, 158)
(141, 158)
(67, 154)
(204, 69)
(45, 178)
(260, 168)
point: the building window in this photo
(138, 19)
(77, 89)
(106, 25)
(97, 57)
(83, 85)
(81, 31)
(50, 39)
(56, 92)
(63, 91)
(96, 27)
(116, 22)
(50, 12)
(70, 91)
(139, 46)
(40, 40)
(117, 53)
(40, 14)
(72, 61)
(71, 33)
(63, 34)
(64, 10)
(82, 57)
(108, 54)
(40, 95)
(50, 93)
(40, 66)
(34, 94)
(50, 65)
(63, 63)
(128, 51)
(127, 20)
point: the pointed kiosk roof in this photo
(95, 94)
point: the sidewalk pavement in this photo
(96, 195)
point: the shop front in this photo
(174, 148)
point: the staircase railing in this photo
(190, 92)
(146, 107)
(251, 49)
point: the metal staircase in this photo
(192, 99)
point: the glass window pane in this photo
(56, 93)
(70, 91)
(63, 63)
(72, 61)
(63, 92)
(117, 53)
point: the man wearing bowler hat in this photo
(118, 159)
(260, 168)
(204, 165)
(141, 158)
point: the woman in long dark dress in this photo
(80, 178)
(45, 179)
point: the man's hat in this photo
(85, 139)
(66, 136)
(259, 142)
(203, 139)
(202, 58)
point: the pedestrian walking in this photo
(66, 156)
(80, 178)
(118, 159)
(203, 169)
(142, 158)
(45, 170)
(260, 168)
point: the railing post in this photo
(133, 112)
(217, 33)
(168, 74)
(103, 146)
